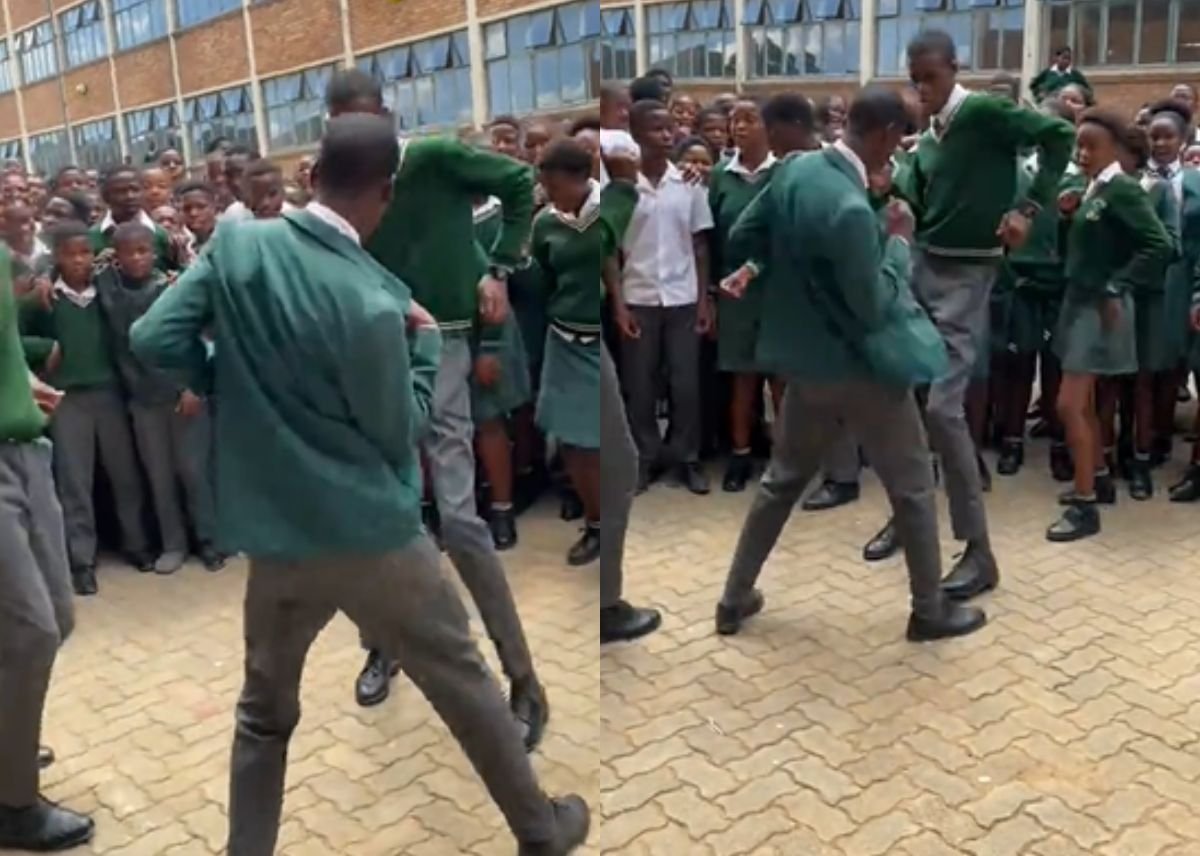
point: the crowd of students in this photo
(686, 320)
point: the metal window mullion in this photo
(1173, 30)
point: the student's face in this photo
(13, 188)
(1095, 148)
(171, 163)
(506, 140)
(37, 192)
(235, 167)
(1165, 141)
(683, 111)
(1074, 98)
(19, 226)
(57, 209)
(135, 256)
(656, 133)
(537, 137)
(92, 177)
(97, 213)
(614, 110)
(745, 123)
(1183, 92)
(1063, 60)
(667, 86)
(565, 191)
(715, 131)
(304, 173)
(199, 213)
(590, 140)
(698, 157)
(837, 113)
(167, 217)
(156, 188)
(264, 195)
(73, 257)
(72, 181)
(933, 76)
(1192, 156)
(123, 193)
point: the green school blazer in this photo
(836, 298)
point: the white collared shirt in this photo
(855, 161)
(334, 219)
(82, 299)
(108, 223)
(660, 264)
(946, 115)
(1106, 175)
(735, 165)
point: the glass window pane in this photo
(1187, 46)
(547, 79)
(754, 11)
(572, 75)
(1152, 40)
(1121, 22)
(1087, 34)
(541, 30)
(1013, 47)
(1060, 25)
(520, 79)
(499, 95)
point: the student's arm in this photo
(1151, 245)
(425, 353)
(870, 272)
(749, 241)
(36, 324)
(702, 223)
(617, 203)
(376, 379)
(1024, 128)
(168, 336)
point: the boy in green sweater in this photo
(121, 189)
(70, 341)
(35, 594)
(962, 180)
(1061, 72)
(427, 239)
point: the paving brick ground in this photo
(1068, 726)
(141, 715)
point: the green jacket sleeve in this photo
(377, 381)
(869, 278)
(617, 203)
(37, 330)
(1151, 246)
(1037, 86)
(1025, 129)
(168, 336)
(750, 238)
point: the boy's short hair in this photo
(196, 185)
(506, 121)
(590, 122)
(712, 113)
(67, 230)
(350, 85)
(111, 173)
(937, 42)
(789, 108)
(878, 108)
(567, 156)
(641, 111)
(132, 231)
(647, 88)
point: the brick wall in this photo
(504, 8)
(292, 34)
(10, 120)
(25, 12)
(43, 106)
(377, 22)
(144, 75)
(213, 55)
(89, 91)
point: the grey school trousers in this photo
(842, 463)
(87, 421)
(956, 295)
(888, 424)
(402, 599)
(618, 482)
(668, 341)
(174, 451)
(36, 612)
(450, 454)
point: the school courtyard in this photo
(1069, 726)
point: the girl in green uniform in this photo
(734, 183)
(1115, 245)
(573, 237)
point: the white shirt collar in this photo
(673, 173)
(855, 161)
(82, 299)
(1106, 175)
(590, 206)
(944, 116)
(109, 223)
(735, 165)
(1173, 168)
(334, 219)
(1066, 70)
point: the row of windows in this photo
(697, 39)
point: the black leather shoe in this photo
(503, 523)
(43, 828)
(693, 478)
(956, 620)
(375, 680)
(571, 823)
(884, 545)
(212, 558)
(974, 573)
(985, 475)
(624, 623)
(587, 549)
(1188, 488)
(1012, 456)
(1062, 468)
(829, 495)
(1079, 520)
(531, 709)
(45, 757)
(570, 506)
(737, 473)
(143, 562)
(83, 580)
(1141, 483)
(730, 618)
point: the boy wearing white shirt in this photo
(665, 308)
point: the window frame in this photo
(992, 29)
(426, 83)
(238, 125)
(161, 131)
(83, 41)
(812, 28)
(39, 38)
(62, 141)
(306, 109)
(7, 83)
(126, 18)
(103, 149)
(202, 11)
(616, 46)
(680, 33)
(1175, 19)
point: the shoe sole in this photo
(937, 637)
(733, 629)
(881, 557)
(644, 630)
(1067, 539)
(969, 594)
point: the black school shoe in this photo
(1188, 488)
(374, 682)
(43, 828)
(1012, 457)
(587, 549)
(737, 473)
(212, 558)
(955, 620)
(143, 562)
(831, 495)
(1141, 483)
(503, 524)
(572, 820)
(624, 623)
(730, 617)
(571, 506)
(527, 700)
(975, 573)
(884, 545)
(1106, 492)
(83, 580)
(1080, 520)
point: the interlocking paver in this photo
(1070, 726)
(141, 717)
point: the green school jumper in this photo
(513, 389)
(1050, 81)
(82, 336)
(1116, 247)
(571, 251)
(165, 260)
(1161, 339)
(20, 419)
(729, 192)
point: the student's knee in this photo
(266, 710)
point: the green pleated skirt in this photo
(1085, 347)
(514, 388)
(568, 407)
(738, 322)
